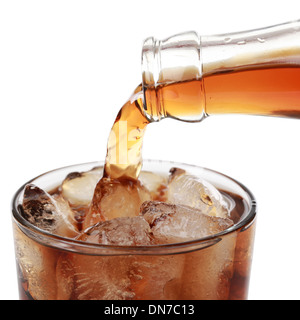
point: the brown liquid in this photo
(264, 91)
(124, 159)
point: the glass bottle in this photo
(189, 77)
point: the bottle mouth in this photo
(150, 62)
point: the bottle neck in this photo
(187, 77)
(165, 64)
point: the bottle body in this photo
(188, 77)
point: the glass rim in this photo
(73, 245)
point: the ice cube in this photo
(110, 276)
(124, 231)
(157, 277)
(52, 214)
(104, 277)
(195, 192)
(78, 187)
(86, 277)
(115, 198)
(155, 183)
(209, 269)
(36, 266)
(178, 223)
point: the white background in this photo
(66, 68)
